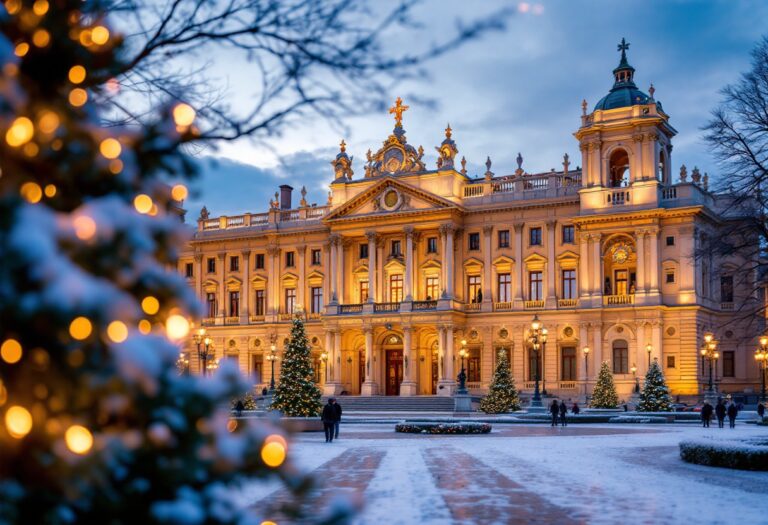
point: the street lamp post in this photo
(463, 374)
(272, 357)
(585, 351)
(537, 339)
(203, 342)
(634, 374)
(761, 356)
(710, 353)
(649, 350)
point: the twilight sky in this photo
(515, 91)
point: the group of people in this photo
(720, 410)
(559, 411)
(331, 417)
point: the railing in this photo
(211, 224)
(533, 305)
(567, 303)
(386, 307)
(285, 316)
(424, 305)
(472, 307)
(669, 193)
(554, 184)
(260, 218)
(568, 385)
(530, 385)
(316, 213)
(474, 385)
(313, 213)
(473, 190)
(505, 186)
(256, 318)
(236, 222)
(290, 215)
(727, 306)
(351, 309)
(208, 321)
(314, 316)
(232, 320)
(502, 306)
(618, 197)
(618, 300)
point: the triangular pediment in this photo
(567, 255)
(390, 196)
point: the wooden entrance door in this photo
(394, 372)
(360, 371)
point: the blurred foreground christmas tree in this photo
(297, 394)
(604, 394)
(502, 395)
(654, 396)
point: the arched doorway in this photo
(618, 168)
(392, 347)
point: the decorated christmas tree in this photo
(297, 394)
(502, 396)
(655, 395)
(604, 394)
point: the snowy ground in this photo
(530, 474)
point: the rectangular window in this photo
(474, 241)
(432, 245)
(726, 289)
(290, 300)
(363, 291)
(317, 299)
(432, 288)
(568, 364)
(504, 291)
(290, 259)
(363, 250)
(503, 238)
(261, 299)
(257, 370)
(535, 236)
(234, 304)
(474, 292)
(535, 286)
(534, 364)
(670, 240)
(395, 249)
(670, 361)
(620, 357)
(317, 257)
(211, 262)
(568, 234)
(395, 288)
(211, 304)
(473, 365)
(234, 263)
(669, 277)
(622, 281)
(259, 261)
(189, 270)
(569, 284)
(729, 364)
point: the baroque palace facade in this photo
(407, 265)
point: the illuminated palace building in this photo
(406, 265)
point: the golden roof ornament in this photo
(446, 151)
(395, 154)
(398, 109)
(342, 164)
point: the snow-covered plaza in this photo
(527, 474)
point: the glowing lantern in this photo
(99, 35)
(179, 192)
(110, 148)
(32, 192)
(50, 190)
(177, 327)
(273, 454)
(145, 326)
(22, 48)
(78, 97)
(183, 115)
(41, 38)
(48, 122)
(40, 7)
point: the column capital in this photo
(334, 238)
(488, 229)
(198, 257)
(245, 253)
(640, 232)
(371, 236)
(406, 328)
(221, 255)
(273, 249)
(409, 230)
(447, 228)
(518, 226)
(368, 330)
(551, 224)
(596, 236)
(585, 236)
(301, 248)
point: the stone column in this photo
(408, 386)
(657, 352)
(334, 239)
(444, 265)
(408, 281)
(488, 268)
(583, 341)
(273, 288)
(597, 270)
(641, 356)
(518, 302)
(330, 387)
(245, 292)
(440, 353)
(336, 361)
(221, 260)
(653, 238)
(370, 388)
(642, 281)
(199, 278)
(448, 259)
(446, 383)
(687, 265)
(372, 297)
(340, 276)
(597, 342)
(301, 250)
(551, 301)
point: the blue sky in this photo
(520, 90)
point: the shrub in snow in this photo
(502, 395)
(743, 455)
(604, 394)
(638, 419)
(443, 428)
(655, 395)
(297, 394)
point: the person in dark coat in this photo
(336, 418)
(575, 409)
(706, 413)
(760, 410)
(554, 410)
(563, 413)
(720, 412)
(328, 417)
(733, 411)
(239, 407)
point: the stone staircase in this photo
(395, 404)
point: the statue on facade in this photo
(342, 164)
(683, 173)
(203, 214)
(464, 166)
(446, 151)
(695, 175)
(488, 172)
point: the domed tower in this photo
(625, 145)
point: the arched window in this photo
(618, 169)
(620, 357)
(662, 167)
(534, 364)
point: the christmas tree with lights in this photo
(654, 396)
(297, 394)
(502, 395)
(604, 394)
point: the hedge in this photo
(743, 455)
(638, 419)
(443, 428)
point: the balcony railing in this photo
(530, 385)
(285, 316)
(424, 305)
(618, 197)
(314, 316)
(351, 309)
(474, 385)
(568, 385)
(472, 307)
(727, 306)
(386, 307)
(208, 321)
(232, 320)
(618, 300)
(534, 305)
(567, 303)
(247, 220)
(502, 306)
(256, 318)
(669, 193)
(519, 187)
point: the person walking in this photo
(706, 413)
(563, 414)
(328, 417)
(575, 409)
(336, 418)
(554, 410)
(760, 410)
(720, 413)
(733, 411)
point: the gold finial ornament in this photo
(448, 131)
(343, 146)
(397, 110)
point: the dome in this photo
(624, 92)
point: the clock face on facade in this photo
(390, 198)
(621, 255)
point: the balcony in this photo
(567, 303)
(534, 305)
(306, 214)
(424, 305)
(618, 300)
(314, 316)
(618, 197)
(525, 187)
(472, 307)
(380, 308)
(232, 320)
(256, 318)
(285, 316)
(503, 306)
(208, 321)
(568, 385)
(350, 309)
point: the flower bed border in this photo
(458, 428)
(742, 455)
